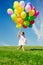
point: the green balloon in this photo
(26, 23)
(30, 26)
(31, 18)
(26, 19)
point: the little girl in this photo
(22, 40)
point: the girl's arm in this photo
(18, 35)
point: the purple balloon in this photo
(10, 13)
(29, 4)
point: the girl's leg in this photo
(23, 48)
(20, 47)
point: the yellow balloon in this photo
(14, 17)
(16, 12)
(31, 12)
(22, 9)
(19, 26)
(16, 4)
(23, 14)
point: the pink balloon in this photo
(36, 13)
(22, 4)
(10, 13)
(28, 8)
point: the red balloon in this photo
(24, 26)
(32, 22)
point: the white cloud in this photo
(39, 32)
(36, 31)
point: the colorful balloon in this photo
(14, 17)
(23, 14)
(19, 16)
(26, 19)
(36, 13)
(20, 10)
(28, 8)
(22, 4)
(30, 18)
(29, 3)
(19, 21)
(16, 12)
(31, 12)
(26, 23)
(32, 22)
(30, 26)
(16, 4)
(24, 26)
(18, 26)
(10, 11)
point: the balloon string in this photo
(20, 29)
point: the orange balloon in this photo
(19, 16)
(20, 20)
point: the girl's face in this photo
(21, 33)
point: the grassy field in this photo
(33, 55)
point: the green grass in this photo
(33, 55)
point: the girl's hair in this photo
(23, 34)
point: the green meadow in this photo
(10, 55)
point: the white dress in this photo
(22, 40)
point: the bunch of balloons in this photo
(23, 14)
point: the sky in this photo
(8, 30)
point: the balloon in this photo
(26, 19)
(23, 14)
(36, 13)
(19, 20)
(31, 12)
(30, 26)
(14, 17)
(24, 26)
(30, 18)
(20, 9)
(16, 4)
(28, 8)
(32, 22)
(33, 8)
(10, 11)
(19, 16)
(29, 3)
(26, 23)
(16, 12)
(22, 4)
(18, 26)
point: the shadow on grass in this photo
(37, 49)
(33, 49)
